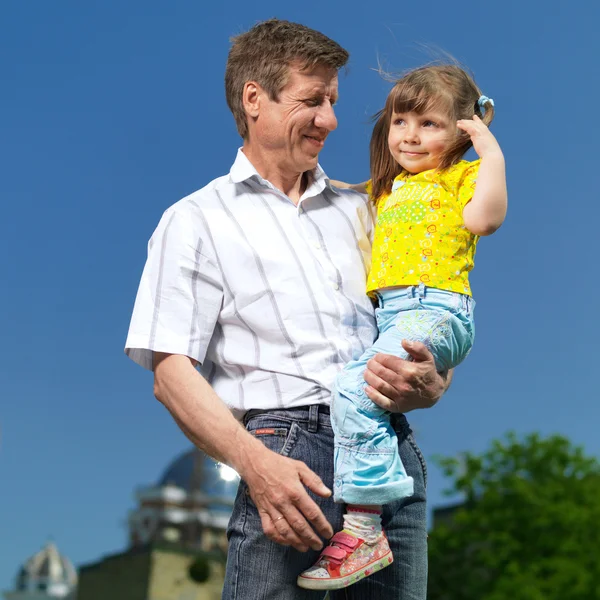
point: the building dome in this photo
(48, 572)
(190, 503)
(194, 471)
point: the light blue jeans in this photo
(368, 468)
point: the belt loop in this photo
(313, 418)
(421, 290)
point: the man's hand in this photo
(276, 485)
(401, 385)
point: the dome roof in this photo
(194, 470)
(48, 570)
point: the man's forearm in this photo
(277, 484)
(200, 413)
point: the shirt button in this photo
(350, 331)
(335, 286)
(317, 245)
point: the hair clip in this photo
(483, 100)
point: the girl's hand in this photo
(361, 188)
(483, 140)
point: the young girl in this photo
(432, 207)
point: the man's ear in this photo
(251, 97)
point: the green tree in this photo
(529, 526)
(199, 569)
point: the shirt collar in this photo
(242, 170)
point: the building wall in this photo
(13, 595)
(120, 577)
(170, 579)
(154, 573)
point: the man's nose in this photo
(326, 118)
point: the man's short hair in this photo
(264, 54)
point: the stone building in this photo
(179, 522)
(190, 504)
(47, 575)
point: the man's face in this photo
(291, 131)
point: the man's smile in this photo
(318, 140)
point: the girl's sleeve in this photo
(467, 182)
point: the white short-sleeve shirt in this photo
(267, 296)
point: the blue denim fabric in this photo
(258, 569)
(368, 469)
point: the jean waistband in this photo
(310, 414)
(411, 291)
(421, 291)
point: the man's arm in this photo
(276, 483)
(400, 385)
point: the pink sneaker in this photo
(345, 561)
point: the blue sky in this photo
(113, 111)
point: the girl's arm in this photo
(487, 209)
(361, 188)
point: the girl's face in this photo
(417, 141)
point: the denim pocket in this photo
(278, 439)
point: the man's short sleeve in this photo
(180, 292)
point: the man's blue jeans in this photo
(259, 569)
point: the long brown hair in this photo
(447, 88)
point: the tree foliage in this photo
(529, 526)
(199, 569)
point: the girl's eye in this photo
(398, 121)
(430, 124)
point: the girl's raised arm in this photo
(486, 211)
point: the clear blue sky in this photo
(112, 111)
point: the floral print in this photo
(420, 235)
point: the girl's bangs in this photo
(405, 98)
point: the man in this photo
(259, 278)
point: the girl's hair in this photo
(446, 88)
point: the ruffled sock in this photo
(363, 522)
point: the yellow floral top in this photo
(420, 235)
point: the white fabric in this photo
(269, 297)
(366, 526)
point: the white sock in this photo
(363, 522)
